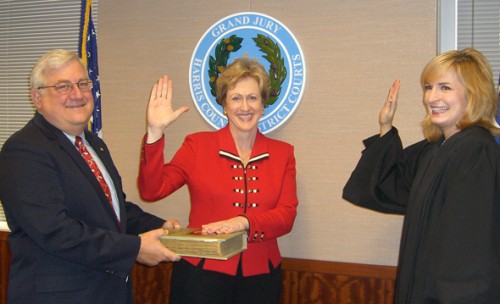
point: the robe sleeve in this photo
(382, 178)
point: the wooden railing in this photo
(304, 281)
(4, 266)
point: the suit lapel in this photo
(102, 152)
(57, 135)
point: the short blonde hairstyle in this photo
(474, 72)
(242, 68)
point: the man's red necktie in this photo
(93, 166)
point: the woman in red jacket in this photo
(238, 180)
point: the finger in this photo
(153, 92)
(227, 226)
(181, 111)
(158, 87)
(209, 229)
(168, 88)
(159, 232)
(165, 87)
(172, 256)
(394, 90)
(172, 224)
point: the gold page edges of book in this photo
(190, 242)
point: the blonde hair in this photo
(242, 68)
(51, 60)
(474, 72)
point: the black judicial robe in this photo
(449, 193)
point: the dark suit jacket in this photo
(66, 244)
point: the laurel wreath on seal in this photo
(217, 64)
(277, 70)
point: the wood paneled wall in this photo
(304, 281)
(4, 266)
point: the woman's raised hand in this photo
(389, 108)
(160, 113)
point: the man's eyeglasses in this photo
(65, 87)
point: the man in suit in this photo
(73, 239)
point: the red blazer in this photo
(220, 188)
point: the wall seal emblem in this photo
(257, 36)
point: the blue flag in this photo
(87, 49)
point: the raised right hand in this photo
(160, 113)
(152, 251)
(388, 110)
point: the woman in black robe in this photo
(447, 186)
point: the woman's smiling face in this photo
(446, 101)
(244, 105)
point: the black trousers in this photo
(193, 285)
